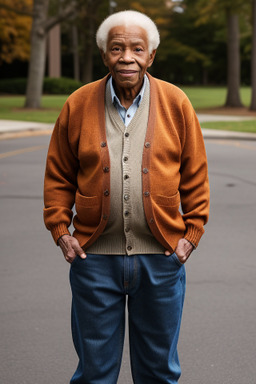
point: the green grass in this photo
(11, 107)
(211, 97)
(239, 126)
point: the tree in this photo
(40, 26)
(15, 31)
(233, 52)
(87, 22)
(232, 9)
(38, 54)
(185, 54)
(253, 67)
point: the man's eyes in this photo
(117, 49)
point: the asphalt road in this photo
(218, 335)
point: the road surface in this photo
(218, 335)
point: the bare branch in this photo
(64, 14)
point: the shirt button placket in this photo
(126, 191)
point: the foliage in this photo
(60, 86)
(15, 86)
(51, 86)
(14, 31)
(193, 35)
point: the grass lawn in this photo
(212, 97)
(11, 107)
(239, 126)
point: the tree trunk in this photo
(87, 55)
(253, 100)
(54, 52)
(88, 44)
(75, 53)
(38, 55)
(233, 48)
(89, 40)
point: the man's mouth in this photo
(127, 72)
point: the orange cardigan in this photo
(174, 167)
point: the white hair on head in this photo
(128, 19)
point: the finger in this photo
(82, 255)
(167, 253)
(70, 258)
(79, 251)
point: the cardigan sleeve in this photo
(194, 183)
(60, 182)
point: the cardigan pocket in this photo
(86, 201)
(167, 201)
(88, 212)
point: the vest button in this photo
(127, 134)
(126, 158)
(145, 170)
(129, 248)
(147, 144)
(106, 192)
(146, 193)
(106, 169)
(103, 144)
(126, 213)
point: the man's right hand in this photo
(70, 248)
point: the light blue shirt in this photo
(127, 114)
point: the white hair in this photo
(128, 19)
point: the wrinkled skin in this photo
(127, 57)
(71, 248)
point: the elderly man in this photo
(127, 150)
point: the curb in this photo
(14, 129)
(227, 135)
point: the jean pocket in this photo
(75, 261)
(176, 259)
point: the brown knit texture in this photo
(174, 155)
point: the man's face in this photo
(127, 56)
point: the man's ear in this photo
(103, 56)
(151, 57)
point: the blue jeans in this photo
(154, 286)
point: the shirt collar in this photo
(137, 99)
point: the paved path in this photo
(11, 127)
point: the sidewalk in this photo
(219, 134)
(12, 128)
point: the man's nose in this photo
(127, 56)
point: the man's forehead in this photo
(121, 33)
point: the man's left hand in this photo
(183, 250)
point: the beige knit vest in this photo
(127, 231)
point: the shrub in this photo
(63, 85)
(13, 86)
(52, 86)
